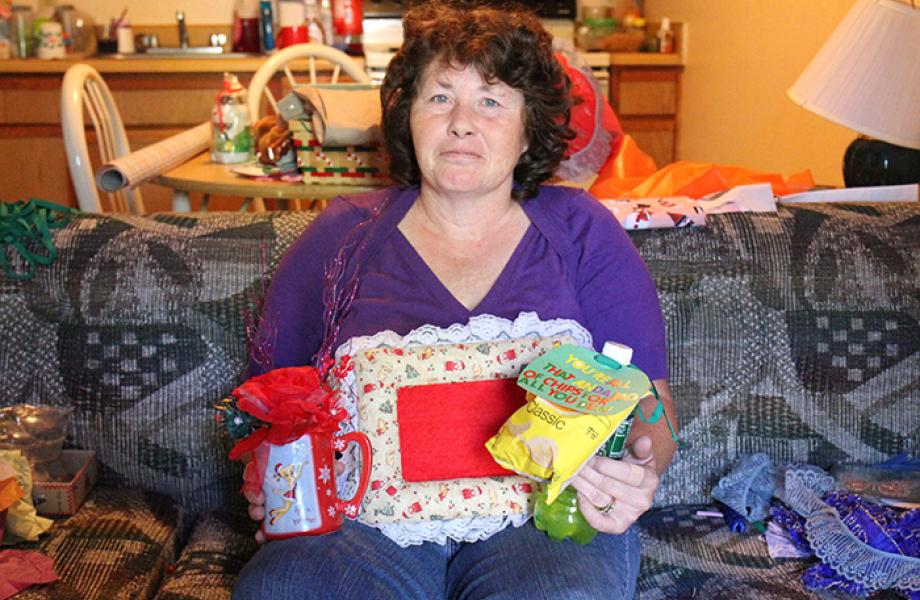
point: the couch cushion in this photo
(140, 325)
(796, 334)
(686, 556)
(220, 544)
(117, 546)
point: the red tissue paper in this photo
(20, 569)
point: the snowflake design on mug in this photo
(325, 474)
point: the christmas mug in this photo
(299, 485)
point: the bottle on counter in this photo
(665, 37)
(21, 31)
(231, 124)
(292, 26)
(325, 17)
(67, 16)
(267, 21)
(83, 40)
(246, 25)
(4, 39)
(346, 20)
(315, 30)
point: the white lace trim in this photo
(483, 328)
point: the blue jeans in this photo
(515, 564)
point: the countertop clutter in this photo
(160, 96)
(119, 63)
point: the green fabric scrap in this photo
(26, 228)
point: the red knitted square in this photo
(443, 427)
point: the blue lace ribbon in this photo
(748, 488)
(848, 544)
(26, 228)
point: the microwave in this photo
(546, 9)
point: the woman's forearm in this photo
(663, 446)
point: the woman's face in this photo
(468, 134)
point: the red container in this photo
(246, 35)
(299, 484)
(346, 17)
(288, 36)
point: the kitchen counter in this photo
(161, 96)
(248, 63)
(237, 63)
(633, 59)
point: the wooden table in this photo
(201, 175)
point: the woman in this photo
(475, 113)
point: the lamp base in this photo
(869, 162)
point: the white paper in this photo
(884, 193)
(755, 197)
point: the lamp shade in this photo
(867, 75)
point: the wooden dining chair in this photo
(84, 91)
(299, 64)
(305, 69)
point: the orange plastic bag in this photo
(632, 174)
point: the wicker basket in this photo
(343, 165)
(622, 41)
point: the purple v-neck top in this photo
(575, 262)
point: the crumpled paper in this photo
(676, 211)
(10, 490)
(22, 522)
(20, 569)
(632, 174)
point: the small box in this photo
(340, 165)
(61, 486)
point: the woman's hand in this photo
(257, 511)
(612, 494)
(256, 499)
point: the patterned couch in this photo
(796, 334)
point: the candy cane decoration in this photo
(352, 156)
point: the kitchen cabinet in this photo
(647, 100)
(644, 89)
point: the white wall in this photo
(147, 12)
(743, 55)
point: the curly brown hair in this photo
(510, 46)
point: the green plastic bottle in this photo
(562, 520)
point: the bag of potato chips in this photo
(576, 400)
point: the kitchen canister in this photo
(51, 41)
(21, 31)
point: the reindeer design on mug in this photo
(290, 474)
